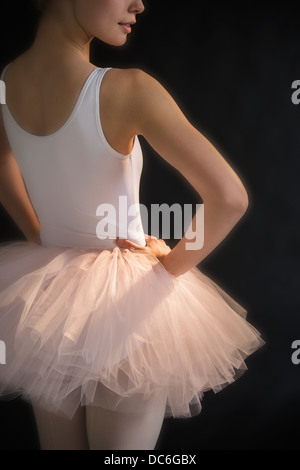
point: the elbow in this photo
(239, 202)
(235, 199)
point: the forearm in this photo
(15, 200)
(219, 220)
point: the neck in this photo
(61, 37)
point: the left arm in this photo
(13, 193)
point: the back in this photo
(74, 178)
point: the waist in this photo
(57, 236)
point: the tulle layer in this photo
(111, 327)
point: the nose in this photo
(138, 6)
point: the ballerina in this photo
(106, 337)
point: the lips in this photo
(126, 27)
(128, 23)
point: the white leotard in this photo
(73, 171)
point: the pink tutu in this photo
(76, 319)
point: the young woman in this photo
(106, 339)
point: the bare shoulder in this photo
(123, 76)
(119, 83)
(133, 76)
(136, 81)
(118, 100)
(139, 96)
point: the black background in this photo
(230, 70)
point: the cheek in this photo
(93, 15)
(100, 19)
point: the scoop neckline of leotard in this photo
(71, 115)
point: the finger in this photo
(149, 238)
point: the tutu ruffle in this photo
(101, 326)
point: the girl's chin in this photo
(118, 40)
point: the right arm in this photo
(153, 113)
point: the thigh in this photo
(115, 430)
(57, 432)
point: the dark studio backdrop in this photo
(231, 71)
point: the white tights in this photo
(95, 428)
